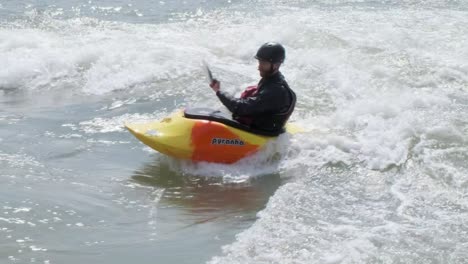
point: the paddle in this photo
(208, 72)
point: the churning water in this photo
(381, 176)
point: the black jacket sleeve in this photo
(268, 100)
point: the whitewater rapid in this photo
(381, 174)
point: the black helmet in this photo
(272, 52)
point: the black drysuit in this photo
(268, 109)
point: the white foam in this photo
(382, 164)
(19, 160)
(381, 175)
(106, 59)
(114, 124)
(36, 248)
(21, 209)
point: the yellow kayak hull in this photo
(198, 139)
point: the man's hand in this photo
(215, 85)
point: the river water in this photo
(380, 176)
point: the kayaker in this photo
(268, 105)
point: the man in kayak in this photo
(268, 105)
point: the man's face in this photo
(264, 67)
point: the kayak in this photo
(203, 134)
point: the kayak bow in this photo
(206, 136)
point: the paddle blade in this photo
(208, 72)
